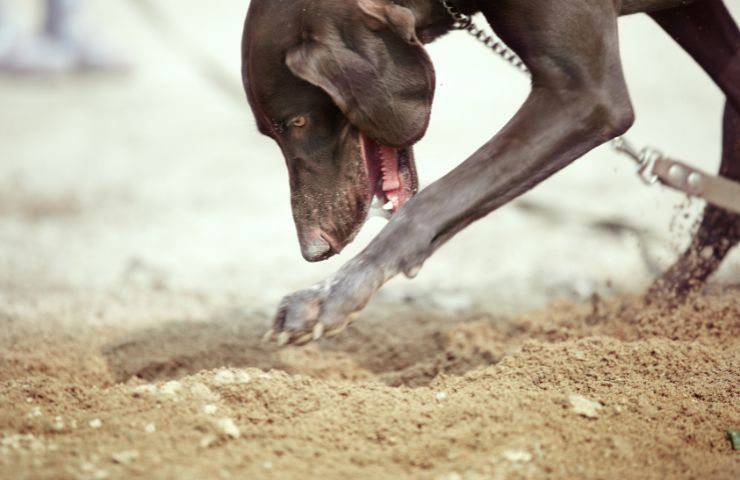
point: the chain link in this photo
(465, 22)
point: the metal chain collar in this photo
(465, 22)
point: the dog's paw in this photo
(303, 317)
(325, 309)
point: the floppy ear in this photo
(386, 92)
(331, 71)
(399, 18)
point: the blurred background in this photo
(153, 178)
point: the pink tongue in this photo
(389, 168)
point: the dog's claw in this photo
(283, 339)
(303, 339)
(337, 330)
(268, 336)
(324, 310)
(318, 331)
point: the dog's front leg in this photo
(578, 101)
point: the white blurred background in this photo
(158, 180)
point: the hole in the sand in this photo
(403, 345)
(395, 347)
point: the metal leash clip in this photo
(645, 159)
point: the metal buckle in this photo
(645, 159)
(648, 157)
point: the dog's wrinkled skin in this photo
(348, 66)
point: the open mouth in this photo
(391, 173)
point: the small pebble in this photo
(209, 409)
(227, 377)
(171, 388)
(125, 457)
(207, 441)
(517, 456)
(58, 424)
(583, 406)
(146, 388)
(95, 423)
(35, 412)
(201, 390)
(228, 427)
(224, 377)
(150, 428)
(579, 355)
(440, 395)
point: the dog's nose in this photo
(316, 248)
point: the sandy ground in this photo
(611, 390)
(145, 237)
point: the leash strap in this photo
(714, 189)
(652, 165)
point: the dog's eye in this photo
(299, 121)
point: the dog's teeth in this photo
(388, 206)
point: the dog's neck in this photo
(432, 20)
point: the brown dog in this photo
(345, 88)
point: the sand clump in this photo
(616, 390)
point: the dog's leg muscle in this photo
(709, 34)
(578, 101)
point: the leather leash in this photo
(652, 165)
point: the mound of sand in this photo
(612, 389)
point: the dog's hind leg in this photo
(708, 33)
(718, 233)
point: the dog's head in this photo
(345, 88)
